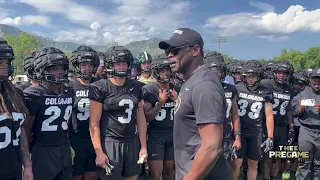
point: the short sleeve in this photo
(234, 92)
(149, 96)
(269, 96)
(31, 103)
(141, 93)
(208, 102)
(95, 93)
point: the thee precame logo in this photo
(289, 152)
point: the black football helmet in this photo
(215, 62)
(282, 66)
(117, 54)
(300, 77)
(213, 56)
(47, 58)
(6, 53)
(84, 54)
(267, 70)
(28, 65)
(236, 68)
(252, 68)
(135, 69)
(144, 57)
(308, 71)
(161, 62)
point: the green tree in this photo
(22, 45)
(312, 57)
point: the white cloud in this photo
(129, 21)
(274, 38)
(27, 20)
(294, 19)
(263, 6)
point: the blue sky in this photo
(255, 29)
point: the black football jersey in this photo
(251, 107)
(230, 91)
(10, 130)
(81, 109)
(120, 103)
(164, 120)
(282, 98)
(52, 114)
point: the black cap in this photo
(181, 37)
(315, 73)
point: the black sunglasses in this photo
(175, 50)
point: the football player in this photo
(236, 70)
(282, 111)
(254, 105)
(116, 107)
(14, 150)
(267, 70)
(298, 81)
(135, 69)
(145, 60)
(85, 62)
(218, 66)
(158, 106)
(50, 105)
(29, 70)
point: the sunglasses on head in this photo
(175, 50)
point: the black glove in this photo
(291, 137)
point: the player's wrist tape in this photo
(237, 133)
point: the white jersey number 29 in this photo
(255, 108)
(7, 131)
(54, 112)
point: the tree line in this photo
(25, 43)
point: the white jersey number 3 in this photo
(255, 108)
(126, 120)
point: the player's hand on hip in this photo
(163, 95)
(102, 160)
(143, 155)
(27, 173)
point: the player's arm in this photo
(297, 109)
(151, 111)
(210, 114)
(94, 124)
(235, 118)
(142, 125)
(269, 119)
(96, 106)
(290, 116)
(24, 148)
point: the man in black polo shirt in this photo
(199, 111)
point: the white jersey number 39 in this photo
(255, 108)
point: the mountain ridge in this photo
(150, 45)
